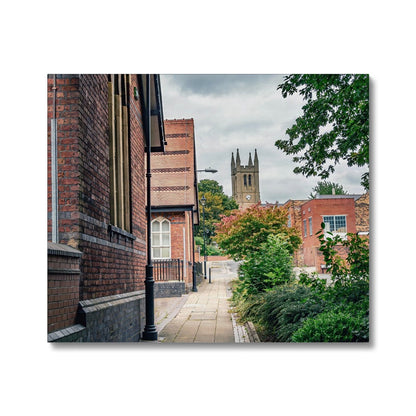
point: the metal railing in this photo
(170, 269)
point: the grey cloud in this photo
(222, 84)
(245, 112)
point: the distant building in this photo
(245, 181)
(341, 214)
(175, 204)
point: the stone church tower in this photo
(245, 181)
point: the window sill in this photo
(112, 229)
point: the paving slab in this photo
(205, 315)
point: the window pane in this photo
(310, 226)
(165, 240)
(165, 225)
(304, 228)
(165, 252)
(340, 224)
(155, 239)
(155, 226)
(329, 223)
(156, 252)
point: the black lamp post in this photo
(203, 202)
(150, 330)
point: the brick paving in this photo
(204, 317)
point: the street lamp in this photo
(203, 202)
(210, 170)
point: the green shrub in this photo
(267, 268)
(283, 311)
(333, 326)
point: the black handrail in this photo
(169, 269)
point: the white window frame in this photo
(161, 220)
(310, 225)
(334, 232)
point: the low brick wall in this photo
(63, 285)
(118, 318)
(169, 289)
(75, 333)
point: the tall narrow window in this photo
(118, 101)
(249, 180)
(310, 225)
(245, 180)
(305, 231)
(161, 238)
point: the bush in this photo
(283, 311)
(333, 326)
(267, 268)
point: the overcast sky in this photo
(245, 112)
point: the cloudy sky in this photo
(245, 112)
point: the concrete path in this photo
(203, 316)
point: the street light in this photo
(203, 202)
(210, 170)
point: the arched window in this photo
(249, 180)
(161, 238)
(245, 180)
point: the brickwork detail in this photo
(112, 262)
(63, 287)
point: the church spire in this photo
(256, 160)
(250, 162)
(237, 160)
(232, 161)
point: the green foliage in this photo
(212, 250)
(334, 326)
(268, 267)
(346, 300)
(283, 311)
(325, 188)
(334, 125)
(311, 309)
(357, 264)
(217, 204)
(243, 232)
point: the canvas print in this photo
(208, 208)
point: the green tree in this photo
(267, 268)
(334, 125)
(325, 188)
(243, 232)
(217, 204)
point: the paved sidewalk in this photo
(203, 316)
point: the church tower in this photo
(245, 180)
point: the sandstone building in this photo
(245, 181)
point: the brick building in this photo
(96, 203)
(175, 204)
(341, 214)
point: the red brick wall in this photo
(63, 291)
(179, 221)
(112, 262)
(317, 208)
